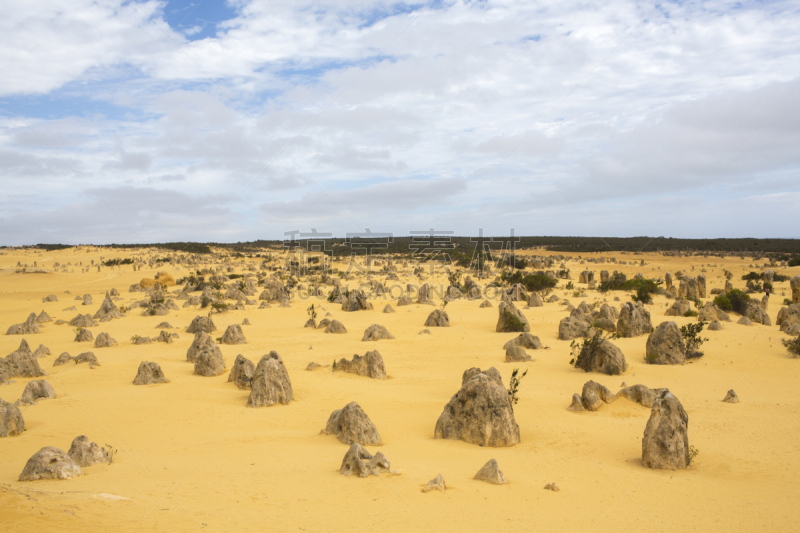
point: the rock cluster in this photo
(351, 424)
(371, 365)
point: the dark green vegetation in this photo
(792, 345)
(691, 336)
(734, 300)
(532, 282)
(118, 261)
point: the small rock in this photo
(491, 473)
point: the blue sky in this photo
(233, 121)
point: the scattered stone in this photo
(86, 453)
(388, 309)
(745, 321)
(87, 357)
(552, 486)
(715, 325)
(334, 326)
(356, 300)
(574, 327)
(43, 317)
(594, 395)
(63, 359)
(515, 354)
(436, 483)
(371, 365)
(634, 320)
(577, 403)
(480, 412)
(731, 397)
(242, 372)
(164, 325)
(233, 335)
(103, 340)
(376, 332)
(270, 383)
(351, 424)
(524, 340)
(511, 319)
(11, 421)
(438, 319)
(665, 346)
(358, 461)
(35, 390)
(29, 327)
(149, 374)
(424, 332)
(201, 323)
(209, 363)
(50, 298)
(313, 366)
(50, 463)
(202, 341)
(640, 394)
(491, 473)
(42, 351)
(600, 355)
(84, 335)
(485, 303)
(666, 443)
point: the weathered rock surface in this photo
(356, 300)
(634, 320)
(86, 453)
(334, 326)
(679, 308)
(83, 321)
(516, 354)
(11, 421)
(640, 394)
(29, 327)
(524, 340)
(731, 397)
(371, 365)
(242, 372)
(351, 424)
(359, 462)
(715, 325)
(480, 412)
(209, 363)
(63, 359)
(104, 340)
(233, 335)
(666, 442)
(87, 357)
(201, 323)
(149, 373)
(36, 390)
(50, 463)
(270, 383)
(202, 341)
(436, 483)
(511, 319)
(376, 332)
(665, 346)
(594, 395)
(601, 355)
(491, 473)
(438, 318)
(84, 335)
(573, 327)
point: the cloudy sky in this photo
(131, 121)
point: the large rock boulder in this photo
(334, 326)
(108, 310)
(710, 312)
(794, 284)
(87, 357)
(83, 321)
(270, 383)
(104, 340)
(573, 327)
(665, 346)
(593, 396)
(491, 473)
(84, 335)
(233, 335)
(149, 373)
(666, 442)
(438, 318)
(600, 355)
(640, 394)
(87, 453)
(359, 462)
(634, 320)
(242, 372)
(524, 340)
(480, 412)
(201, 323)
(356, 300)
(535, 300)
(517, 354)
(209, 363)
(689, 288)
(50, 463)
(679, 308)
(29, 327)
(21, 363)
(755, 313)
(371, 365)
(11, 421)
(351, 424)
(511, 319)
(35, 390)
(202, 341)
(790, 314)
(376, 332)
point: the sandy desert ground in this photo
(191, 455)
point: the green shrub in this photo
(690, 313)
(792, 345)
(752, 276)
(614, 283)
(739, 301)
(514, 323)
(691, 336)
(723, 302)
(794, 262)
(570, 286)
(642, 295)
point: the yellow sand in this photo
(191, 456)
